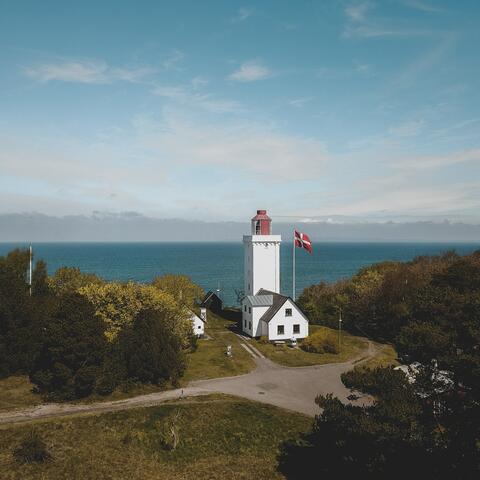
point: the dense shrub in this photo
(322, 341)
(32, 449)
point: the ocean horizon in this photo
(220, 264)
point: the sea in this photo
(220, 265)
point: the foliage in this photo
(322, 341)
(117, 304)
(181, 288)
(429, 309)
(150, 350)
(20, 313)
(72, 350)
(71, 279)
(32, 449)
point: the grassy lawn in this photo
(220, 437)
(352, 347)
(210, 361)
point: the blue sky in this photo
(337, 110)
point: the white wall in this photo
(288, 322)
(197, 325)
(253, 315)
(261, 263)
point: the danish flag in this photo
(303, 241)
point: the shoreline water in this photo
(213, 264)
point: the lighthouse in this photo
(265, 312)
(261, 256)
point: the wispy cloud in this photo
(85, 71)
(432, 162)
(423, 6)
(363, 23)
(358, 11)
(410, 128)
(242, 14)
(189, 96)
(173, 60)
(300, 102)
(239, 146)
(251, 71)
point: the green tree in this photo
(72, 350)
(181, 288)
(151, 352)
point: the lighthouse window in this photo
(288, 312)
(280, 330)
(257, 228)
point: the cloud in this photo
(423, 6)
(188, 96)
(85, 71)
(407, 129)
(363, 23)
(260, 152)
(357, 12)
(300, 102)
(242, 14)
(172, 61)
(431, 162)
(251, 71)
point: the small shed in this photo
(213, 302)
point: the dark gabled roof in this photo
(278, 301)
(209, 297)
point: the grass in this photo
(384, 357)
(16, 392)
(210, 360)
(351, 347)
(220, 437)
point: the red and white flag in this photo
(303, 241)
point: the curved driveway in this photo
(291, 388)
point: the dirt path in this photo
(287, 387)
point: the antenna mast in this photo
(30, 269)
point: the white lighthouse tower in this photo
(262, 256)
(265, 312)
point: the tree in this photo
(117, 304)
(181, 288)
(150, 350)
(72, 350)
(71, 279)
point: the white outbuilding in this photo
(265, 311)
(198, 322)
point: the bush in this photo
(322, 341)
(32, 449)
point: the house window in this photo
(280, 330)
(288, 312)
(249, 310)
(199, 327)
(244, 308)
(296, 328)
(250, 325)
(245, 324)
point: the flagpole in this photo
(30, 269)
(293, 266)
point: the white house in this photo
(265, 312)
(198, 322)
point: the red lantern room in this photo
(261, 223)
